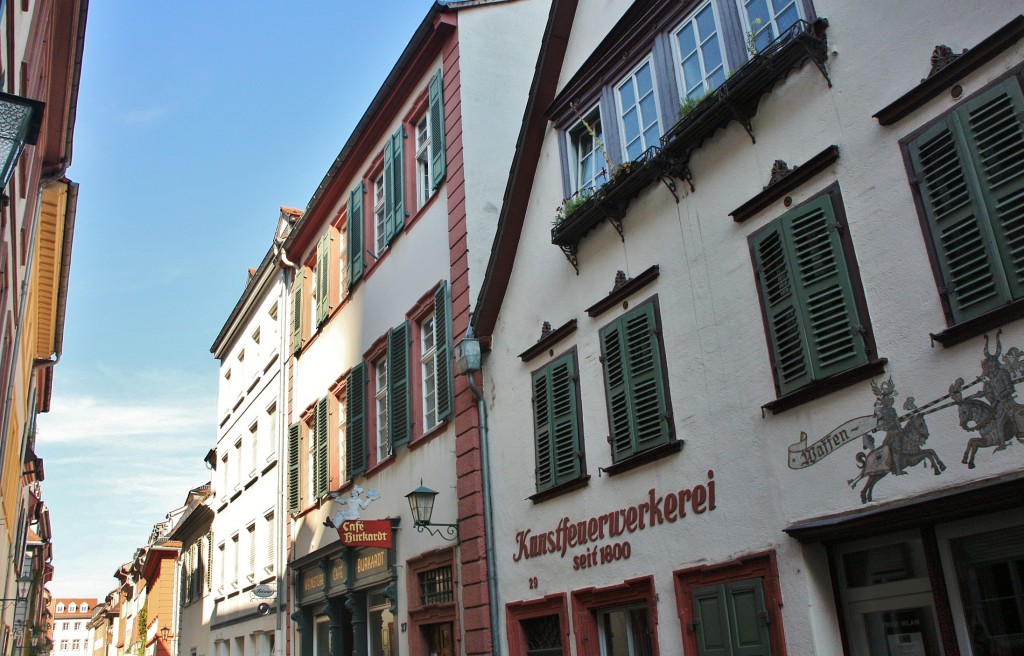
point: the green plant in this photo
(593, 135)
(691, 103)
(143, 628)
(752, 37)
(571, 204)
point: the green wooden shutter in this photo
(835, 335)
(356, 259)
(399, 405)
(443, 350)
(298, 313)
(731, 619)
(355, 422)
(321, 450)
(396, 184)
(556, 423)
(748, 618)
(813, 324)
(711, 621)
(323, 268)
(993, 126)
(635, 383)
(389, 201)
(437, 140)
(544, 470)
(294, 436)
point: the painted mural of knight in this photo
(991, 411)
(902, 445)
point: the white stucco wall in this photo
(498, 48)
(714, 339)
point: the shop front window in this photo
(624, 632)
(990, 577)
(382, 626)
(322, 638)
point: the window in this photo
(767, 19)
(252, 551)
(239, 476)
(968, 172)
(271, 533)
(300, 327)
(72, 608)
(63, 643)
(428, 367)
(322, 282)
(356, 260)
(209, 561)
(435, 358)
(424, 188)
(78, 626)
(256, 336)
(635, 382)
(84, 608)
(638, 111)
(60, 607)
(254, 446)
(222, 579)
(235, 559)
(589, 168)
(272, 420)
(556, 423)
(733, 608)
(394, 187)
(76, 645)
(698, 51)
(65, 625)
(435, 113)
(624, 631)
(343, 257)
(436, 586)
(355, 421)
(814, 325)
(380, 369)
(379, 227)
(319, 450)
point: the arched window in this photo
(60, 607)
(84, 608)
(72, 608)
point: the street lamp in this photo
(421, 504)
(22, 585)
(20, 120)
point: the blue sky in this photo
(196, 121)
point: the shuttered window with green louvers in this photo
(355, 422)
(399, 402)
(443, 351)
(813, 324)
(323, 278)
(731, 619)
(356, 230)
(556, 423)
(298, 313)
(438, 155)
(321, 449)
(394, 188)
(969, 173)
(635, 386)
(294, 467)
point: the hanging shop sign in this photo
(569, 533)
(264, 591)
(366, 533)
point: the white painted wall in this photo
(714, 338)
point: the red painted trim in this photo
(517, 612)
(420, 615)
(761, 565)
(588, 600)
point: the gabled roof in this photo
(524, 166)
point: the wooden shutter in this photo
(355, 422)
(399, 406)
(395, 189)
(993, 125)
(321, 450)
(748, 618)
(635, 383)
(356, 227)
(389, 202)
(437, 139)
(813, 325)
(323, 277)
(711, 621)
(298, 313)
(556, 423)
(443, 346)
(732, 619)
(294, 437)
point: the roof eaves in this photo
(524, 166)
(410, 52)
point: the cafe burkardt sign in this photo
(352, 529)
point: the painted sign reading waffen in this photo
(803, 454)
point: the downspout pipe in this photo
(485, 474)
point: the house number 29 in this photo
(533, 582)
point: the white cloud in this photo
(91, 419)
(145, 115)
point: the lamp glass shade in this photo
(467, 355)
(421, 504)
